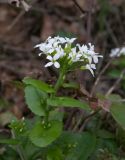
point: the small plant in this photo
(42, 98)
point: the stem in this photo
(47, 115)
(87, 118)
(99, 77)
(84, 120)
(57, 86)
(59, 81)
(18, 148)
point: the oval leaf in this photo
(34, 101)
(42, 135)
(55, 153)
(77, 146)
(84, 148)
(118, 113)
(38, 84)
(66, 102)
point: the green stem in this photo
(56, 87)
(47, 115)
(59, 82)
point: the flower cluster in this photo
(58, 47)
(117, 52)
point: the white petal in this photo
(74, 50)
(55, 44)
(49, 58)
(114, 52)
(49, 37)
(93, 66)
(91, 72)
(60, 39)
(95, 59)
(68, 40)
(56, 64)
(90, 69)
(84, 48)
(51, 41)
(56, 56)
(38, 45)
(91, 46)
(49, 64)
(40, 54)
(51, 50)
(78, 55)
(72, 40)
(123, 50)
(43, 48)
(100, 56)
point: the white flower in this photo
(122, 51)
(91, 67)
(83, 48)
(60, 39)
(74, 56)
(70, 40)
(93, 56)
(60, 51)
(117, 52)
(59, 47)
(91, 47)
(53, 61)
(44, 47)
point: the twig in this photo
(68, 121)
(80, 8)
(99, 76)
(116, 83)
(89, 20)
(87, 118)
(109, 30)
(16, 20)
(78, 123)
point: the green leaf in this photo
(67, 141)
(42, 135)
(35, 100)
(108, 144)
(55, 153)
(39, 85)
(118, 113)
(9, 141)
(84, 148)
(56, 115)
(114, 98)
(76, 146)
(66, 102)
